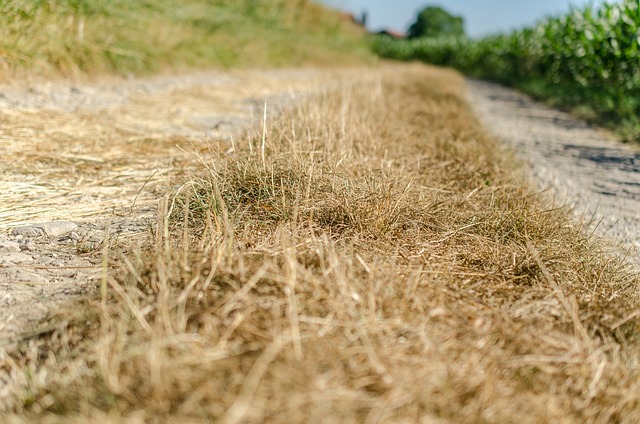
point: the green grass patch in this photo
(99, 36)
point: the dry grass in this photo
(89, 37)
(83, 164)
(373, 258)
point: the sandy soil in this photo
(585, 167)
(81, 162)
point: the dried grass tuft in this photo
(383, 263)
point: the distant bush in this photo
(436, 22)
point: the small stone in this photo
(27, 246)
(9, 246)
(31, 231)
(58, 228)
(50, 229)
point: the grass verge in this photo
(616, 111)
(71, 37)
(371, 257)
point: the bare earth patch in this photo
(84, 161)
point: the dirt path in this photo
(586, 167)
(78, 159)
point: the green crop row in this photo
(589, 57)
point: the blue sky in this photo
(482, 17)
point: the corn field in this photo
(590, 55)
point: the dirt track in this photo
(585, 167)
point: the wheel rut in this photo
(586, 168)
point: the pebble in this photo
(9, 246)
(51, 229)
(28, 231)
(27, 246)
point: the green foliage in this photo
(587, 59)
(436, 22)
(89, 36)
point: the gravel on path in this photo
(586, 168)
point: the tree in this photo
(435, 21)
